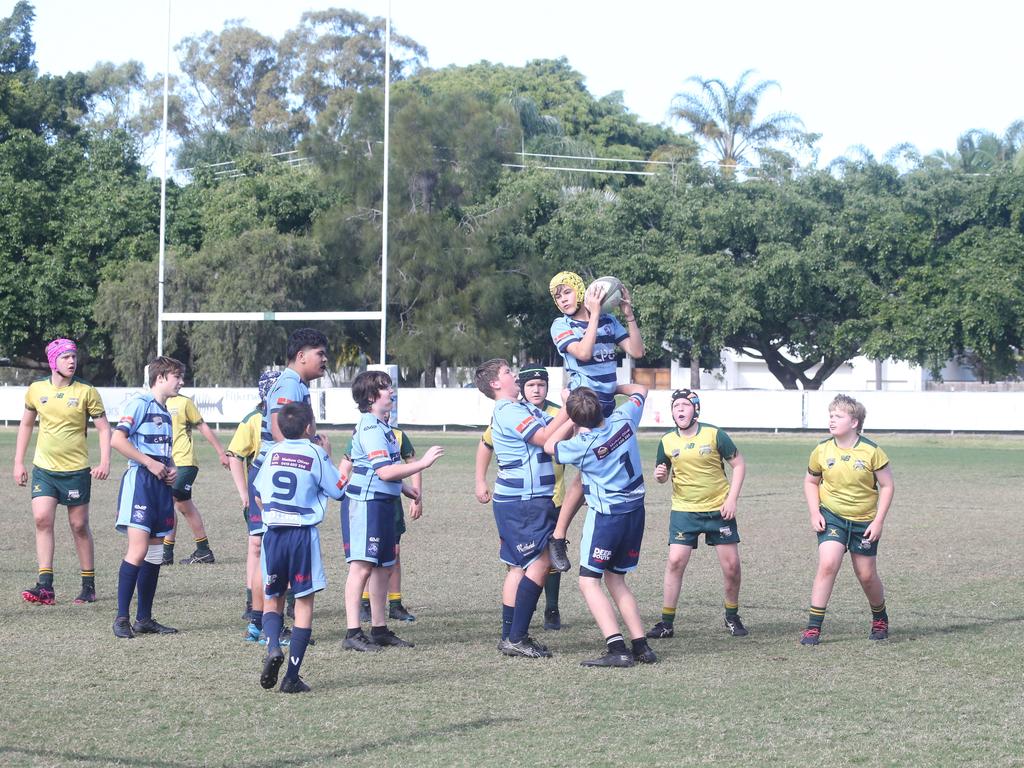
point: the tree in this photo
(725, 118)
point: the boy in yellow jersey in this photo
(849, 488)
(185, 416)
(704, 501)
(60, 473)
(242, 451)
(533, 383)
(396, 610)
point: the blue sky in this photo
(871, 73)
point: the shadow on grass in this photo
(9, 754)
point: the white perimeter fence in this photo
(735, 409)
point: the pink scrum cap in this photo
(59, 347)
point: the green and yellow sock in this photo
(816, 617)
(168, 548)
(878, 612)
(45, 578)
(89, 579)
(202, 545)
(731, 610)
(668, 616)
(365, 600)
(394, 598)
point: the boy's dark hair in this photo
(486, 373)
(163, 366)
(304, 338)
(293, 419)
(367, 387)
(584, 408)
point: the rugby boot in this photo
(87, 595)
(609, 659)
(879, 629)
(122, 628)
(811, 636)
(735, 626)
(151, 627)
(271, 666)
(298, 685)
(661, 630)
(558, 550)
(39, 594)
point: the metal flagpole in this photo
(384, 211)
(163, 197)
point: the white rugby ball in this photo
(613, 292)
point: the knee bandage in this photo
(155, 554)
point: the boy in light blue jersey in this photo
(588, 341)
(145, 509)
(294, 482)
(368, 510)
(608, 457)
(522, 502)
(307, 360)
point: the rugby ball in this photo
(613, 292)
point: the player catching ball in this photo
(587, 338)
(849, 488)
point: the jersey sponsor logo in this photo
(690, 446)
(564, 335)
(858, 464)
(521, 426)
(833, 532)
(292, 461)
(675, 453)
(865, 544)
(704, 450)
(74, 493)
(73, 402)
(283, 401)
(43, 399)
(127, 420)
(615, 441)
(301, 578)
(830, 462)
(377, 454)
(60, 395)
(725, 530)
(158, 421)
(845, 457)
(601, 555)
(524, 548)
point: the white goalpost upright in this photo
(258, 316)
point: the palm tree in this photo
(725, 118)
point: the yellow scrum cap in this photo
(572, 280)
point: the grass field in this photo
(946, 689)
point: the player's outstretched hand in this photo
(433, 453)
(817, 521)
(661, 473)
(626, 301)
(20, 474)
(101, 472)
(483, 493)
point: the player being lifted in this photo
(587, 340)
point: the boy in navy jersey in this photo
(145, 508)
(294, 483)
(522, 502)
(608, 457)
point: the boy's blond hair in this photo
(848, 405)
(486, 373)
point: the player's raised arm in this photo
(634, 344)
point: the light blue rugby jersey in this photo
(609, 460)
(524, 470)
(599, 372)
(288, 388)
(148, 426)
(373, 446)
(294, 483)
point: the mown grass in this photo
(947, 689)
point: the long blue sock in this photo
(148, 575)
(300, 639)
(126, 579)
(272, 629)
(526, 603)
(257, 618)
(507, 612)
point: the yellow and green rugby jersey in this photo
(245, 443)
(551, 410)
(184, 416)
(848, 487)
(63, 413)
(697, 464)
